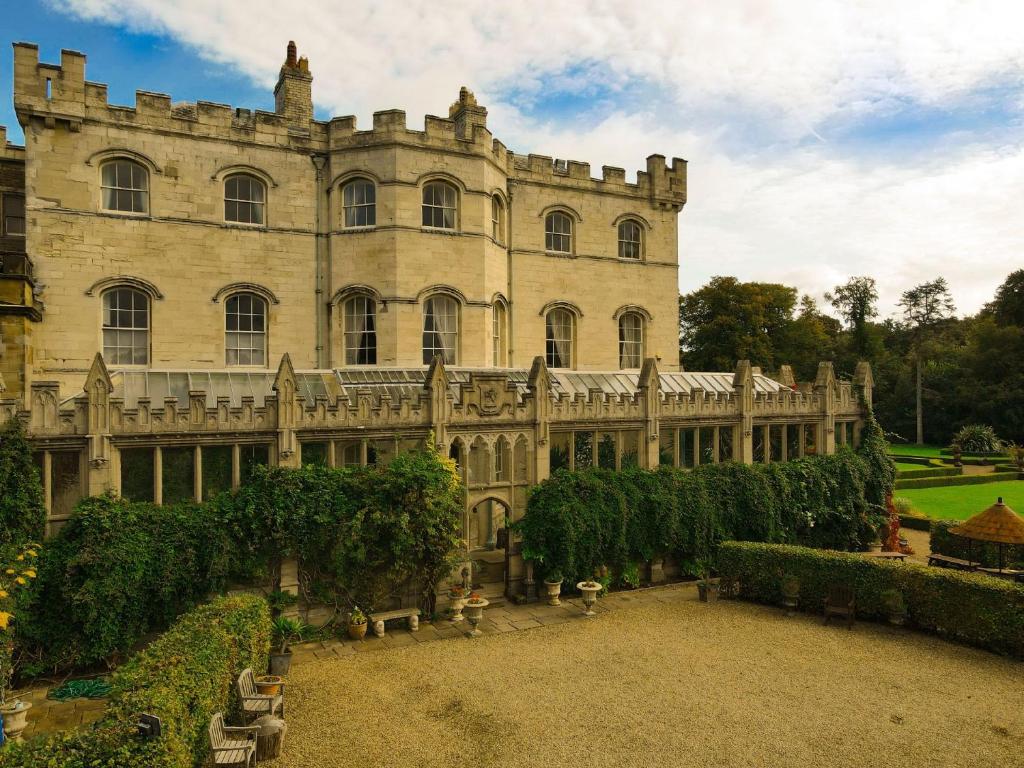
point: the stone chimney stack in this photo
(293, 95)
(466, 113)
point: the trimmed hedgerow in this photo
(183, 677)
(944, 482)
(970, 608)
(576, 522)
(942, 542)
(917, 474)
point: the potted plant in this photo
(590, 590)
(790, 588)
(356, 624)
(474, 610)
(895, 608)
(16, 577)
(707, 590)
(553, 582)
(957, 454)
(456, 602)
(269, 685)
(285, 630)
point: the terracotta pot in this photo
(357, 631)
(14, 715)
(269, 685)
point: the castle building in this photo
(188, 290)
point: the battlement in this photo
(660, 182)
(8, 151)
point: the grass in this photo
(958, 502)
(931, 451)
(902, 466)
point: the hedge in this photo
(183, 677)
(971, 608)
(943, 542)
(916, 474)
(578, 521)
(22, 508)
(916, 523)
(944, 482)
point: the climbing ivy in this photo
(22, 509)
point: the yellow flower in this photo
(5, 619)
(21, 557)
(3, 593)
(30, 572)
(20, 580)
(10, 571)
(31, 552)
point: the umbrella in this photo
(998, 524)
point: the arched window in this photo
(126, 327)
(125, 186)
(558, 232)
(499, 333)
(360, 331)
(245, 324)
(631, 340)
(440, 329)
(497, 219)
(559, 326)
(440, 203)
(244, 199)
(359, 198)
(630, 239)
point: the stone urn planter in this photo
(554, 589)
(14, 714)
(269, 685)
(790, 589)
(707, 590)
(895, 607)
(456, 602)
(589, 590)
(474, 610)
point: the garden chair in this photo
(232, 746)
(840, 602)
(257, 704)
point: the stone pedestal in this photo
(271, 737)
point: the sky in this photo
(824, 139)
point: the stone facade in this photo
(560, 342)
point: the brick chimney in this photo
(466, 113)
(293, 95)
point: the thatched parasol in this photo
(998, 524)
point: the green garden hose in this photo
(95, 688)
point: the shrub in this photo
(22, 509)
(945, 482)
(578, 521)
(970, 608)
(115, 572)
(977, 438)
(183, 677)
(942, 542)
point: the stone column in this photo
(743, 386)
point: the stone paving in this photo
(499, 619)
(48, 716)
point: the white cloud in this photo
(807, 217)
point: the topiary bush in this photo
(970, 608)
(183, 677)
(578, 521)
(977, 438)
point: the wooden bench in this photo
(378, 619)
(232, 746)
(945, 561)
(256, 704)
(901, 556)
(840, 602)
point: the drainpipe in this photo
(508, 271)
(322, 258)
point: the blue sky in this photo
(825, 139)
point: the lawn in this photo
(931, 451)
(958, 502)
(903, 466)
(666, 682)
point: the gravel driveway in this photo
(667, 683)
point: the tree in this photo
(727, 320)
(856, 301)
(924, 307)
(22, 509)
(807, 340)
(1008, 306)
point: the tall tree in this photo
(856, 301)
(727, 320)
(924, 307)
(1008, 306)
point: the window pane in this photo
(179, 472)
(440, 329)
(245, 329)
(606, 451)
(630, 449)
(686, 448)
(559, 328)
(707, 446)
(216, 470)
(666, 447)
(360, 331)
(559, 451)
(314, 453)
(583, 449)
(725, 443)
(137, 474)
(66, 469)
(252, 456)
